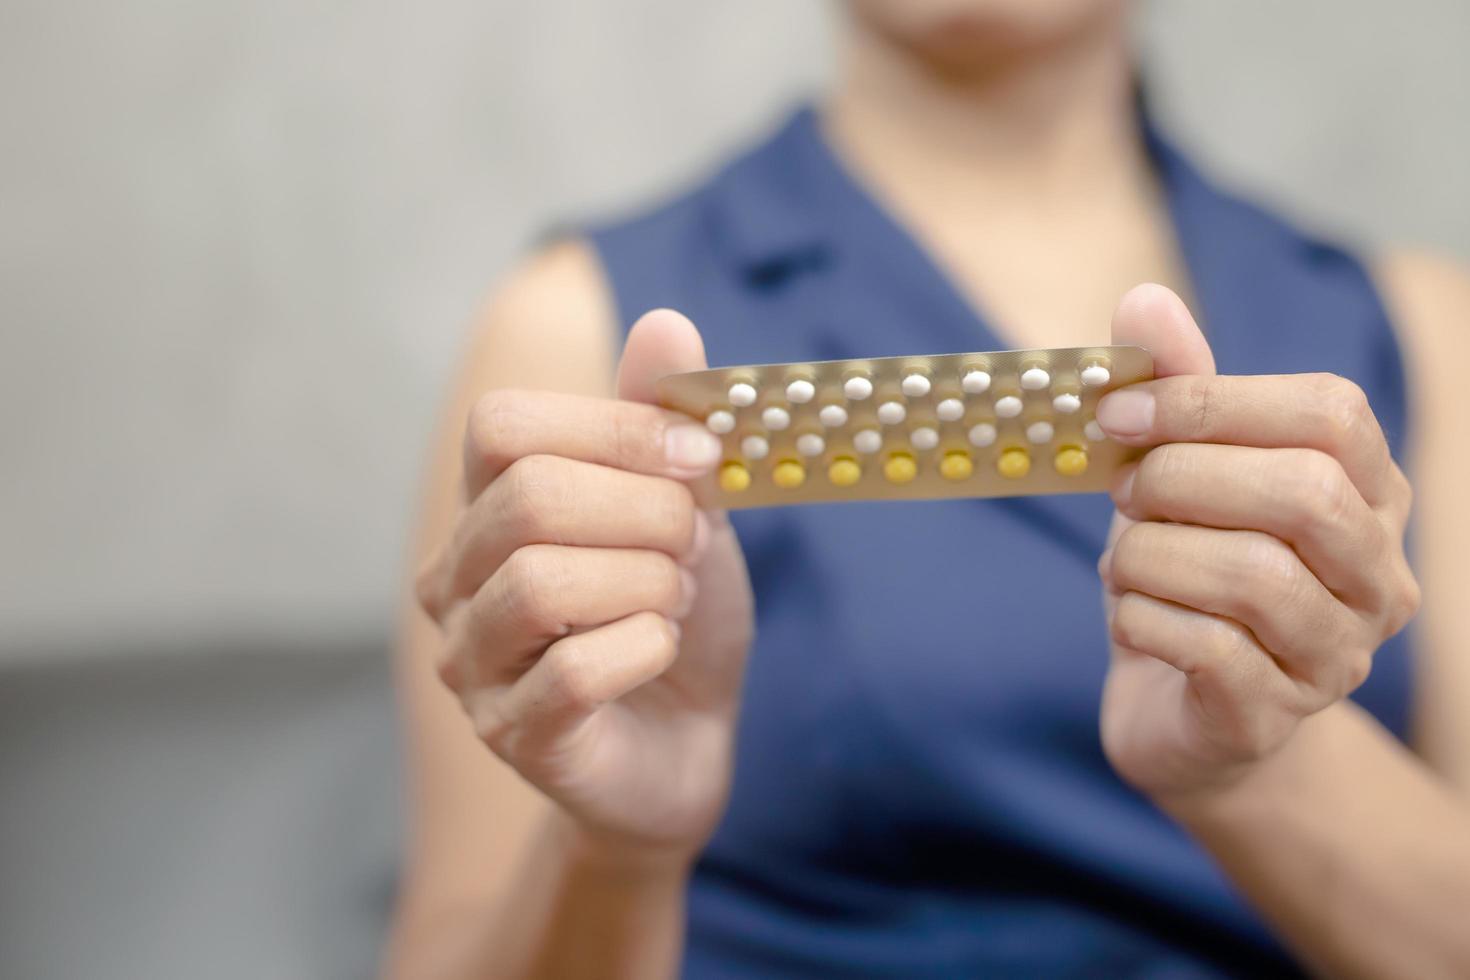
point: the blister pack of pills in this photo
(995, 424)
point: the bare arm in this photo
(507, 878)
(1351, 847)
(473, 819)
(1430, 299)
(1356, 849)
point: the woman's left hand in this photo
(1256, 560)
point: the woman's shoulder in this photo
(1429, 297)
(565, 301)
(549, 323)
(760, 172)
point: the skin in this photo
(575, 631)
(571, 683)
(1256, 560)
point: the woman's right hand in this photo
(596, 620)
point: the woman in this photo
(899, 772)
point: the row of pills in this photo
(722, 421)
(1093, 372)
(901, 467)
(922, 438)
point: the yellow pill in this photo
(844, 471)
(956, 465)
(1071, 461)
(788, 474)
(1013, 464)
(734, 477)
(900, 468)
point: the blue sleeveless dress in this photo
(919, 787)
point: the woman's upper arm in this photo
(551, 325)
(1430, 300)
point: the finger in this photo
(1236, 681)
(1255, 580)
(661, 342)
(1312, 411)
(1185, 405)
(1154, 317)
(1301, 496)
(546, 592)
(575, 677)
(506, 425)
(552, 500)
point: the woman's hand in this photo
(596, 620)
(1256, 560)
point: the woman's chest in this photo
(952, 624)
(932, 670)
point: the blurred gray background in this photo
(239, 243)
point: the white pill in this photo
(892, 413)
(1095, 374)
(776, 418)
(742, 394)
(1040, 432)
(924, 437)
(915, 385)
(867, 441)
(800, 391)
(1035, 379)
(1066, 403)
(720, 421)
(982, 435)
(755, 447)
(833, 416)
(1093, 431)
(950, 410)
(810, 444)
(857, 388)
(975, 382)
(1008, 406)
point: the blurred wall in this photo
(240, 242)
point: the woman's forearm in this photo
(1350, 847)
(572, 908)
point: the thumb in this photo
(661, 342)
(1154, 317)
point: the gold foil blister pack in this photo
(995, 424)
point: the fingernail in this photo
(701, 539)
(1105, 567)
(1124, 491)
(1126, 413)
(691, 447)
(689, 591)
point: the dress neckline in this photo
(862, 229)
(869, 243)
